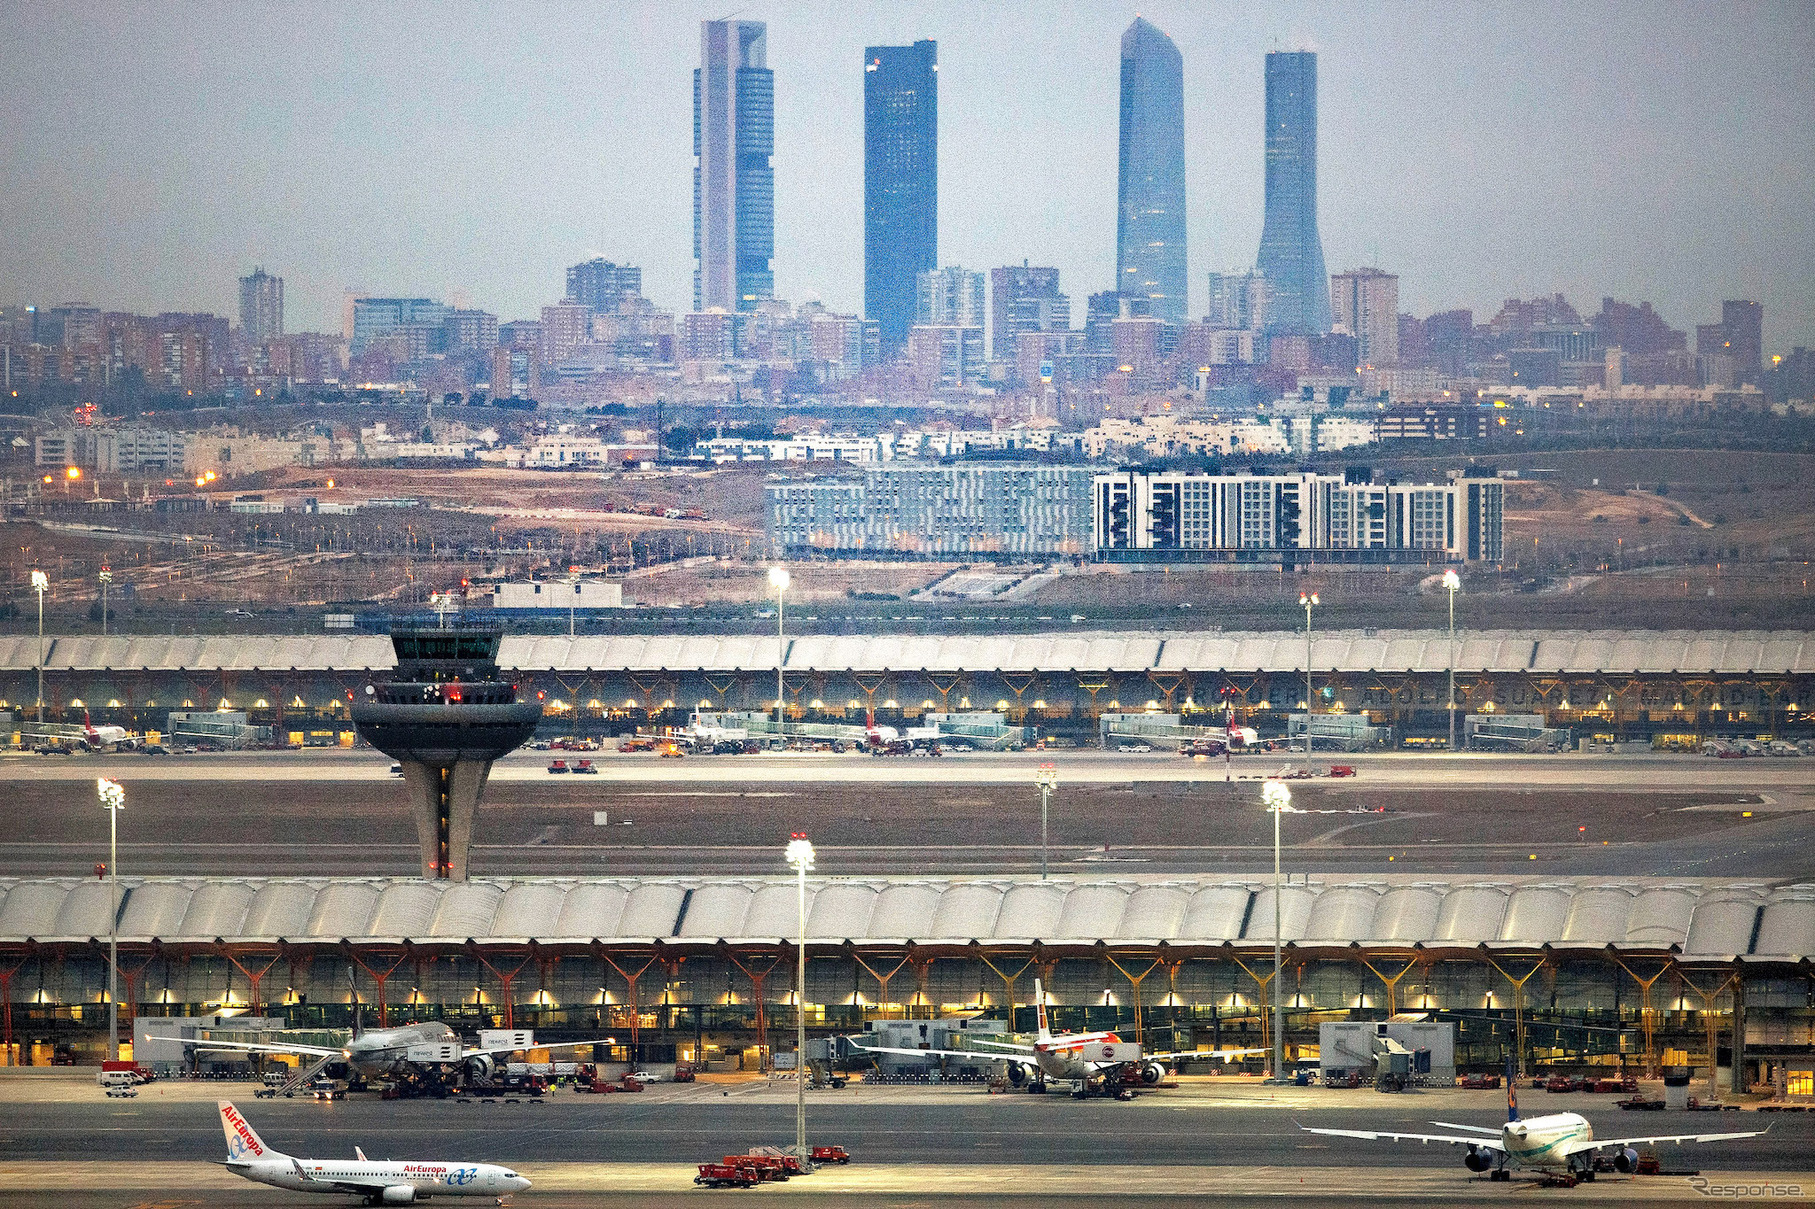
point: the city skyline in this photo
(1569, 179)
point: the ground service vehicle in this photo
(724, 1175)
(830, 1154)
(557, 766)
(584, 768)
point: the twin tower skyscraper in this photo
(734, 184)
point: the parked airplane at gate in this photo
(382, 1182)
(1077, 1058)
(428, 1057)
(96, 737)
(1559, 1147)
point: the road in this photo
(343, 813)
(911, 1145)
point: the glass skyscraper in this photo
(1150, 193)
(900, 182)
(1291, 253)
(733, 182)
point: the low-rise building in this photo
(987, 510)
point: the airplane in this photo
(1080, 1059)
(383, 1182)
(96, 737)
(1559, 1147)
(426, 1058)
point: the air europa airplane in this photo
(380, 1183)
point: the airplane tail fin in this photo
(243, 1143)
(1512, 1091)
(358, 1016)
(1044, 1033)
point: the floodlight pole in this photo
(1308, 601)
(1452, 581)
(40, 581)
(778, 579)
(1278, 799)
(1048, 780)
(800, 855)
(113, 799)
(106, 579)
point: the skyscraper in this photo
(261, 307)
(733, 183)
(1367, 307)
(1291, 253)
(1150, 194)
(900, 182)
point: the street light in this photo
(1048, 780)
(106, 579)
(1451, 582)
(1308, 602)
(113, 800)
(800, 855)
(40, 583)
(778, 579)
(1278, 800)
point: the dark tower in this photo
(1291, 251)
(900, 182)
(445, 716)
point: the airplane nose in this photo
(519, 1184)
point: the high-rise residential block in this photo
(945, 356)
(261, 307)
(949, 297)
(900, 182)
(564, 325)
(374, 317)
(1150, 192)
(470, 330)
(1291, 251)
(733, 181)
(600, 284)
(1745, 336)
(1024, 298)
(1365, 303)
(1238, 302)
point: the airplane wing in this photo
(1370, 1135)
(1024, 1059)
(252, 1047)
(1492, 1133)
(1202, 1055)
(1598, 1143)
(512, 1049)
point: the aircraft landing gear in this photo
(1499, 1174)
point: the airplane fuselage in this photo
(427, 1178)
(380, 1050)
(1067, 1057)
(1545, 1143)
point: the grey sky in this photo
(150, 153)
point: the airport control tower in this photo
(445, 715)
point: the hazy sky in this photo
(152, 152)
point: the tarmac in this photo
(1229, 1141)
(341, 812)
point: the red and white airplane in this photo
(1081, 1059)
(96, 737)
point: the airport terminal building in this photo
(1627, 973)
(1666, 685)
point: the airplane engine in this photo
(398, 1194)
(1152, 1073)
(479, 1068)
(1626, 1161)
(1477, 1159)
(1017, 1074)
